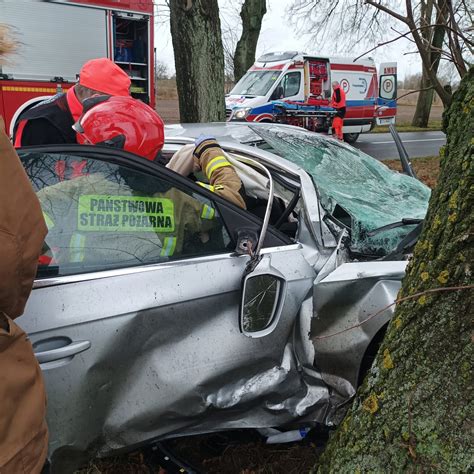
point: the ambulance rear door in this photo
(386, 109)
(317, 84)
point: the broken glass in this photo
(261, 296)
(372, 194)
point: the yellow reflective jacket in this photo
(222, 176)
(96, 220)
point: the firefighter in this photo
(94, 127)
(173, 218)
(23, 431)
(338, 101)
(51, 121)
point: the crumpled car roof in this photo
(371, 193)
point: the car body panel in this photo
(156, 351)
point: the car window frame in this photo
(123, 158)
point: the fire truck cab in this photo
(57, 37)
(295, 88)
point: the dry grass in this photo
(433, 125)
(166, 89)
(427, 168)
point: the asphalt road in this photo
(417, 144)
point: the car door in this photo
(134, 316)
(289, 87)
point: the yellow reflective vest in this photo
(94, 219)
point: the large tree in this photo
(199, 59)
(252, 14)
(414, 410)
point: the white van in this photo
(305, 81)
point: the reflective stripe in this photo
(216, 163)
(207, 186)
(207, 212)
(218, 187)
(169, 246)
(30, 89)
(76, 248)
(49, 222)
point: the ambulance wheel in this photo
(351, 137)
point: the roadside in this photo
(168, 108)
(418, 144)
(405, 114)
(433, 126)
(426, 168)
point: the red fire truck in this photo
(57, 37)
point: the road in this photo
(417, 144)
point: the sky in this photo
(277, 34)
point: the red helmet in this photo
(122, 122)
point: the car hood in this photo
(235, 101)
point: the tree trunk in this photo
(199, 59)
(412, 412)
(252, 15)
(425, 98)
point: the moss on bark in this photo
(414, 411)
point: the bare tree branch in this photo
(387, 10)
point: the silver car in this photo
(162, 310)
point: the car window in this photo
(291, 84)
(355, 185)
(101, 215)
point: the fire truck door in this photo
(386, 109)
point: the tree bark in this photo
(412, 412)
(199, 59)
(252, 14)
(435, 40)
(425, 97)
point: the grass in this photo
(433, 126)
(426, 168)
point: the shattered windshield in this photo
(372, 194)
(256, 83)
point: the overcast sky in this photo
(278, 35)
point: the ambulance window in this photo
(102, 216)
(291, 84)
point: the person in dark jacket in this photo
(51, 121)
(23, 430)
(338, 101)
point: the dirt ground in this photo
(169, 111)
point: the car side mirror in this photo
(277, 93)
(263, 294)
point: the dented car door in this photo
(140, 337)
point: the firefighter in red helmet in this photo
(130, 125)
(121, 122)
(127, 123)
(338, 101)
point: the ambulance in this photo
(295, 88)
(57, 37)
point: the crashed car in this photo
(259, 318)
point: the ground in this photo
(213, 455)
